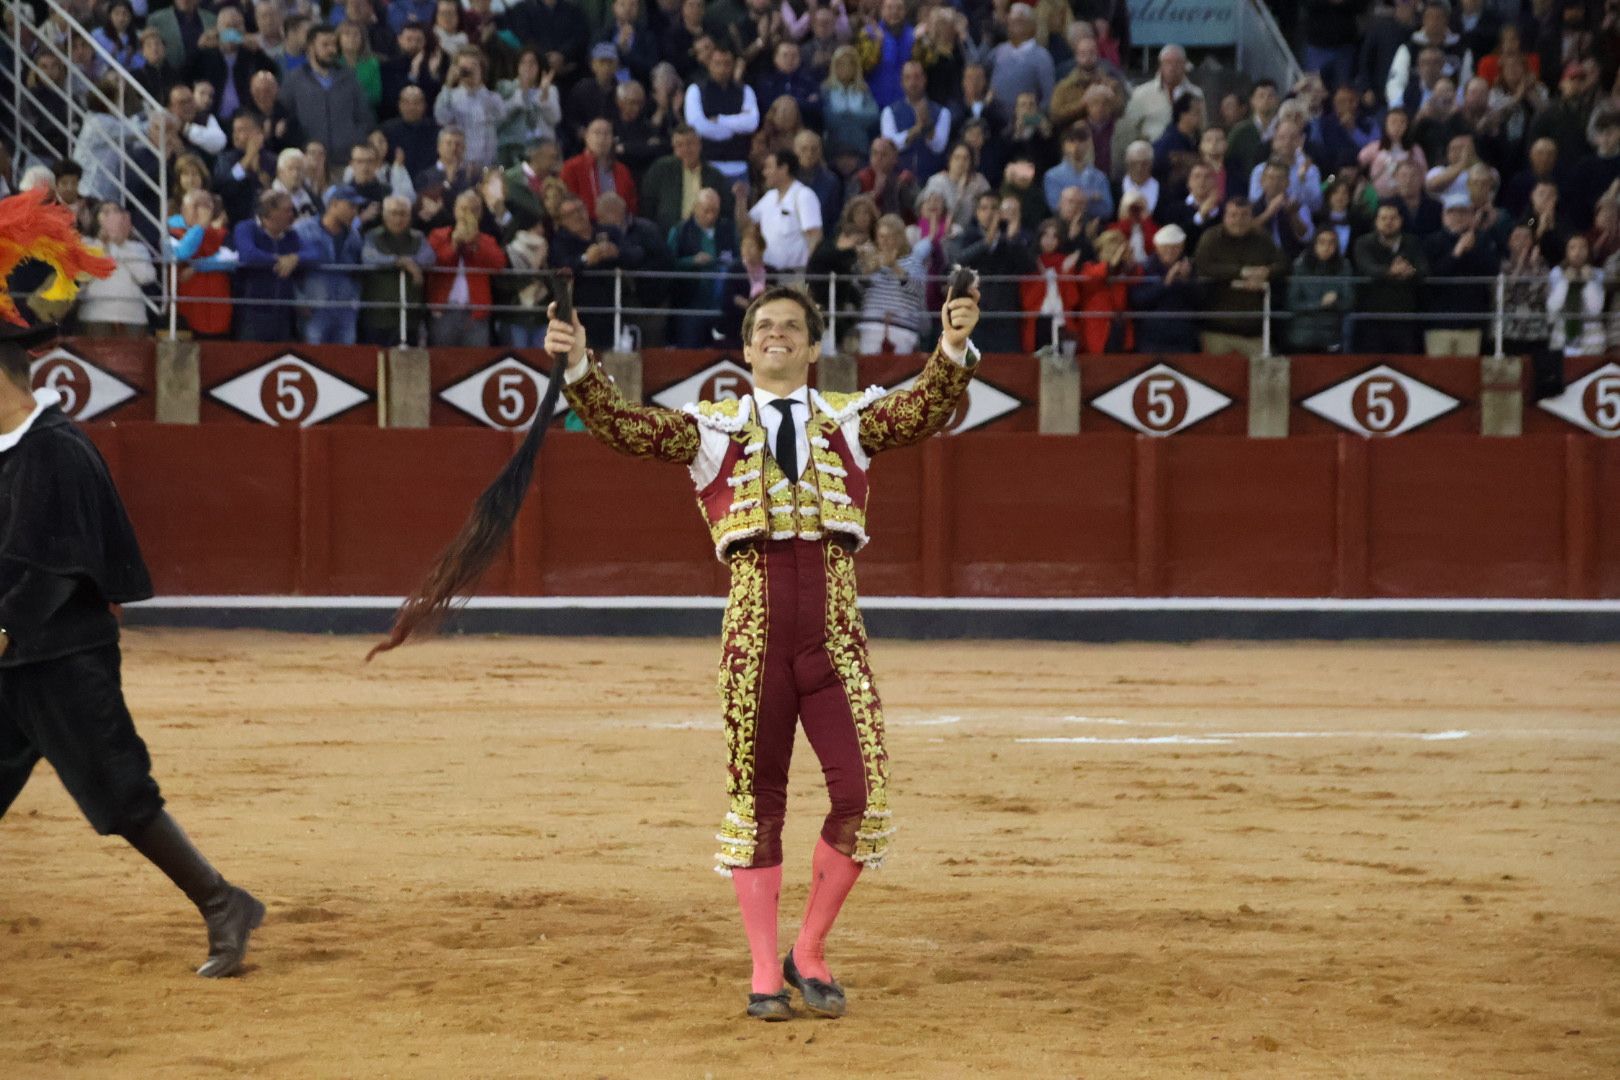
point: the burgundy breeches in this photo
(794, 650)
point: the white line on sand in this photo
(1228, 737)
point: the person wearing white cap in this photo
(1167, 290)
(1458, 250)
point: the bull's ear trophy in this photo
(462, 564)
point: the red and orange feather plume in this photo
(32, 228)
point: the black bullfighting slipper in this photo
(771, 1007)
(231, 916)
(825, 999)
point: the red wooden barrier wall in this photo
(357, 510)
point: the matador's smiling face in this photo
(779, 349)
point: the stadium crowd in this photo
(332, 166)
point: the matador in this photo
(781, 479)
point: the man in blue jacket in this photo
(268, 257)
(328, 246)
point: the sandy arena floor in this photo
(490, 858)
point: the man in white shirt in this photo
(202, 133)
(789, 216)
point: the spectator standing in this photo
(229, 64)
(267, 258)
(397, 258)
(1419, 211)
(814, 174)
(673, 182)
(1575, 303)
(594, 172)
(1104, 299)
(1320, 293)
(887, 44)
(789, 78)
(960, 184)
(1001, 258)
(1524, 302)
(1461, 309)
(533, 109)
(1331, 39)
(1238, 265)
(1246, 143)
(115, 306)
(413, 133)
(1599, 172)
(1200, 208)
(330, 254)
(1148, 112)
(467, 103)
(1077, 170)
(1163, 300)
(1456, 62)
(592, 253)
(851, 112)
(354, 54)
(559, 26)
(704, 244)
(1341, 133)
(788, 216)
(246, 169)
(1304, 178)
(892, 188)
(417, 62)
(724, 113)
(280, 128)
(181, 26)
(1394, 262)
(459, 291)
(325, 99)
(1278, 214)
(1020, 64)
(198, 129)
(919, 128)
(892, 296)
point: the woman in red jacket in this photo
(1103, 301)
(459, 290)
(1053, 292)
(197, 242)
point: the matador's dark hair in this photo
(462, 564)
(814, 320)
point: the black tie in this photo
(787, 439)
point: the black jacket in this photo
(67, 549)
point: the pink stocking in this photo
(832, 875)
(758, 891)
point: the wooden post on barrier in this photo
(1060, 391)
(839, 374)
(624, 368)
(1269, 379)
(178, 397)
(406, 390)
(1501, 395)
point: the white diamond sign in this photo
(720, 381)
(504, 395)
(289, 391)
(979, 406)
(83, 390)
(1592, 402)
(1161, 401)
(1380, 401)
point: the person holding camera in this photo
(1001, 257)
(467, 103)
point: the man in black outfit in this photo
(67, 553)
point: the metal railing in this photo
(829, 288)
(65, 128)
(1262, 50)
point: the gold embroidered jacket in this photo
(741, 491)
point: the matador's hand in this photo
(567, 338)
(959, 316)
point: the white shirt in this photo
(784, 219)
(43, 399)
(770, 418)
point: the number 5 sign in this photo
(504, 395)
(1592, 402)
(1161, 401)
(288, 391)
(1380, 402)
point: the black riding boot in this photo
(231, 914)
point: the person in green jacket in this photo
(396, 258)
(354, 50)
